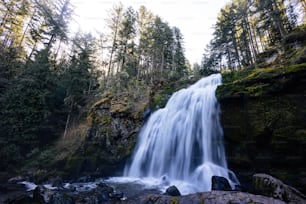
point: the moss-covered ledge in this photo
(261, 81)
(263, 115)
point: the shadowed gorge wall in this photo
(267, 132)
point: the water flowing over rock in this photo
(184, 140)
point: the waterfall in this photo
(184, 141)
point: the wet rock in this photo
(102, 197)
(11, 187)
(147, 113)
(172, 191)
(21, 199)
(104, 187)
(56, 182)
(38, 197)
(85, 179)
(60, 198)
(211, 197)
(16, 179)
(263, 119)
(220, 183)
(116, 195)
(10, 192)
(267, 185)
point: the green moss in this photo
(74, 164)
(106, 120)
(259, 82)
(161, 97)
(174, 201)
(201, 201)
(256, 90)
(241, 159)
(100, 102)
(300, 135)
(126, 149)
(118, 108)
(157, 102)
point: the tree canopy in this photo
(247, 31)
(48, 74)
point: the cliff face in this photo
(113, 124)
(264, 123)
(112, 127)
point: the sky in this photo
(195, 18)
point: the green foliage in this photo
(144, 46)
(296, 36)
(254, 33)
(45, 91)
(28, 106)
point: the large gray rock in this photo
(212, 197)
(267, 185)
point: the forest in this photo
(73, 103)
(47, 73)
(251, 33)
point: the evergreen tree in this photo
(80, 77)
(145, 23)
(114, 23)
(126, 42)
(27, 107)
(179, 60)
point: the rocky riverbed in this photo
(266, 190)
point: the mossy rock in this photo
(174, 201)
(300, 135)
(260, 82)
(74, 165)
(161, 97)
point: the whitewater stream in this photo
(182, 144)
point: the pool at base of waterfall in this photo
(128, 186)
(139, 186)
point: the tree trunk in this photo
(25, 31)
(277, 19)
(68, 121)
(236, 51)
(162, 61)
(51, 40)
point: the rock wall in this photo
(113, 125)
(266, 131)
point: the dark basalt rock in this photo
(172, 191)
(220, 183)
(263, 118)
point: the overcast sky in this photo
(194, 18)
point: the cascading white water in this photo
(183, 142)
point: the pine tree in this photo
(179, 60)
(27, 109)
(114, 23)
(126, 42)
(80, 77)
(145, 23)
